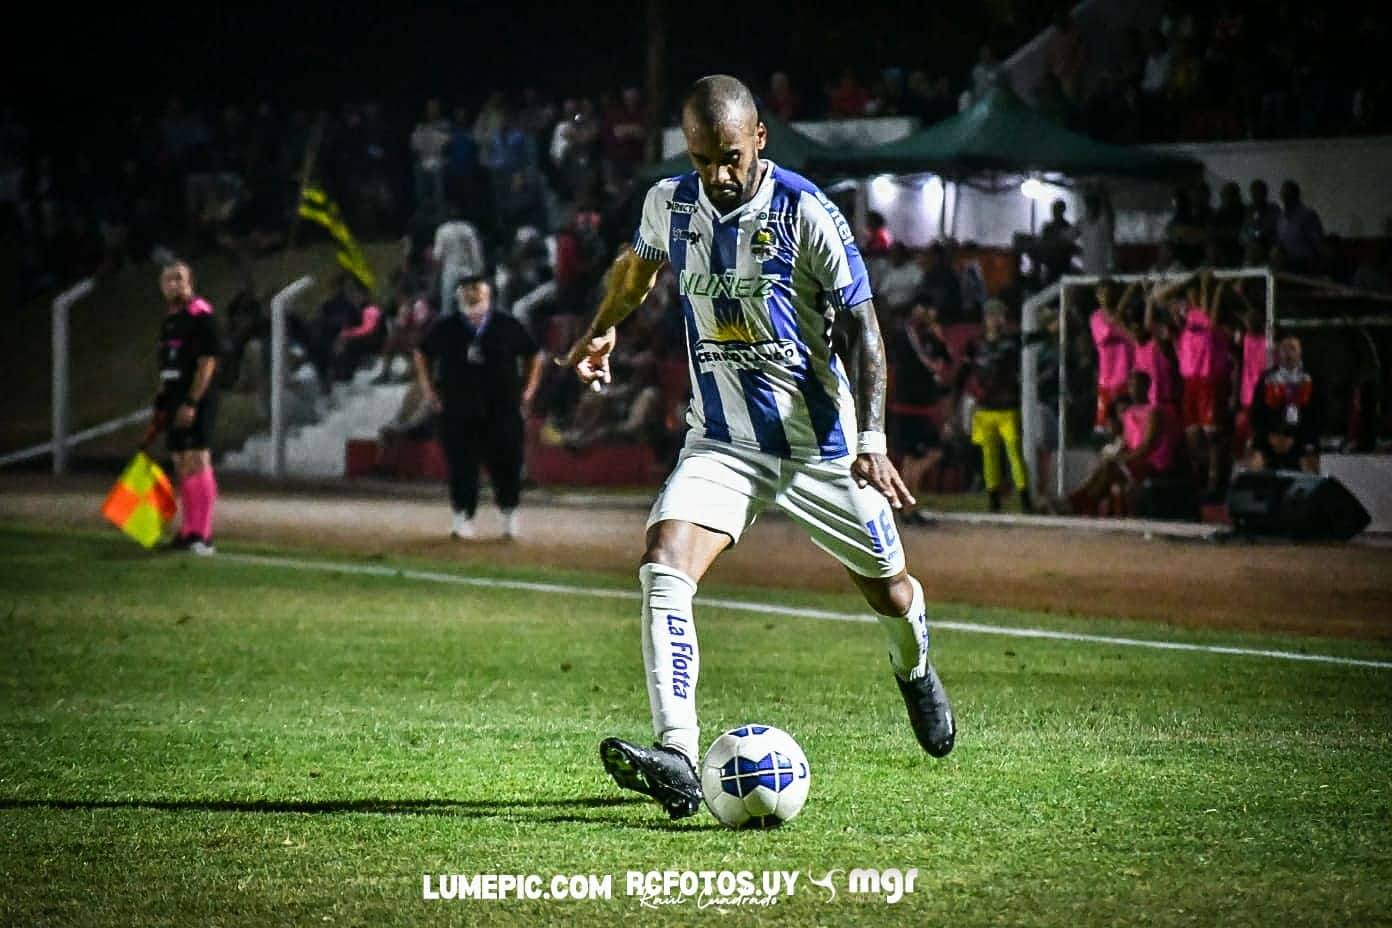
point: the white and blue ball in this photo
(755, 776)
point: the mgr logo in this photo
(692, 283)
(745, 356)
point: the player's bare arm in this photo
(627, 284)
(870, 380)
(202, 380)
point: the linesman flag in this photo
(317, 207)
(142, 501)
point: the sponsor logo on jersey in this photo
(675, 207)
(686, 235)
(745, 356)
(763, 245)
(843, 228)
(728, 284)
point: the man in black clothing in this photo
(186, 403)
(991, 373)
(468, 365)
(1285, 414)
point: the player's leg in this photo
(856, 526)
(711, 497)
(1015, 452)
(460, 441)
(986, 436)
(503, 452)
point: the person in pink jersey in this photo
(1116, 348)
(1205, 351)
(1255, 357)
(186, 404)
(1155, 353)
(1152, 444)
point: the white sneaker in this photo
(510, 528)
(201, 548)
(463, 526)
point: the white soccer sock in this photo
(670, 656)
(908, 637)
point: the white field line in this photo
(372, 570)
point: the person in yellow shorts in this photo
(991, 374)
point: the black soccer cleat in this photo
(930, 714)
(662, 773)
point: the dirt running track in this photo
(1331, 590)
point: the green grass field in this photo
(210, 742)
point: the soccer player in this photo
(765, 264)
(186, 403)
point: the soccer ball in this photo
(755, 776)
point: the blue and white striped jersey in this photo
(759, 288)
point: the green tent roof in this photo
(1000, 133)
(787, 147)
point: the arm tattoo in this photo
(869, 372)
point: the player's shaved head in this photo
(724, 137)
(721, 100)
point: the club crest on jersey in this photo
(763, 245)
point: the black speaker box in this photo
(1295, 505)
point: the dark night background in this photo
(75, 71)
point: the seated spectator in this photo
(628, 411)
(1300, 245)
(1286, 415)
(1258, 235)
(1065, 55)
(362, 337)
(413, 313)
(878, 238)
(1150, 444)
(986, 74)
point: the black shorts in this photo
(199, 435)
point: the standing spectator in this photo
(1116, 349)
(1058, 243)
(930, 99)
(991, 373)
(878, 238)
(921, 362)
(186, 404)
(1285, 415)
(1254, 363)
(429, 140)
(1225, 228)
(900, 281)
(1184, 233)
(624, 136)
(1065, 56)
(1258, 234)
(783, 101)
(462, 161)
(1300, 244)
(941, 285)
(457, 253)
(1155, 79)
(1096, 232)
(1205, 366)
(468, 369)
(986, 73)
(848, 98)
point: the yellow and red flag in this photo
(142, 501)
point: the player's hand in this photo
(590, 357)
(878, 471)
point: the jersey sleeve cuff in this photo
(647, 252)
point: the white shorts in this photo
(724, 488)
